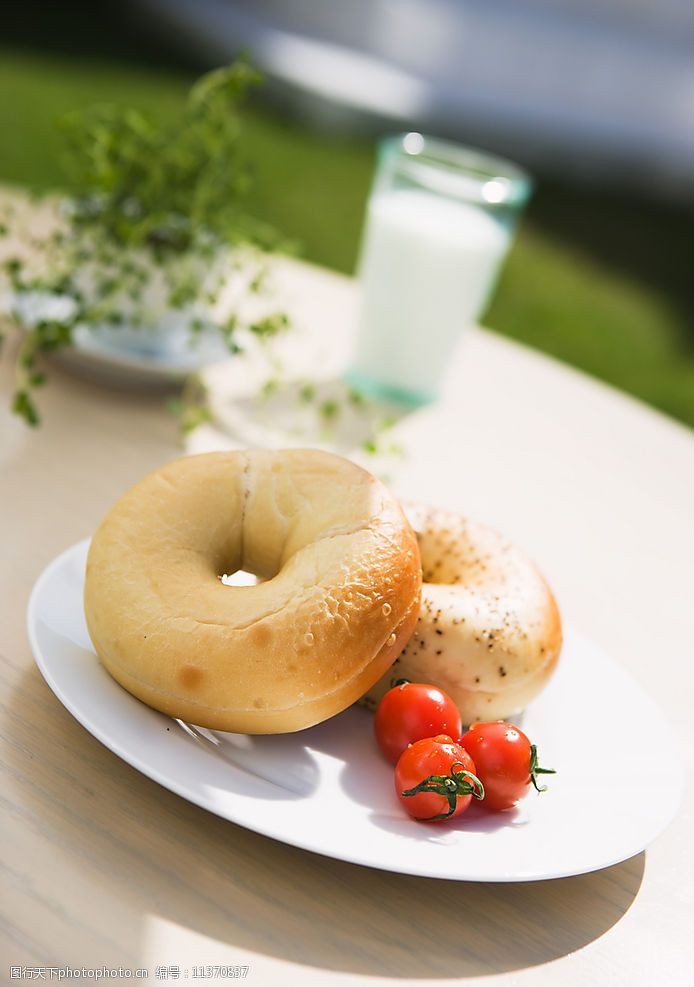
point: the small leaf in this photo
(329, 410)
(23, 406)
(270, 387)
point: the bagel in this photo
(338, 600)
(489, 632)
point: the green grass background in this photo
(596, 278)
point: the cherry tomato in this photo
(412, 711)
(435, 779)
(506, 762)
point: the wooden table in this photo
(101, 866)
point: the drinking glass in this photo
(439, 222)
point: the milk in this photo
(427, 267)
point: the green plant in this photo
(157, 224)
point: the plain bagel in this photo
(489, 631)
(338, 600)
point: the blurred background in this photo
(595, 97)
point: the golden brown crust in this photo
(489, 631)
(338, 601)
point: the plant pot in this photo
(148, 325)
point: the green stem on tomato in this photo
(536, 770)
(450, 787)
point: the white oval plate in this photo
(328, 789)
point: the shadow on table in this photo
(146, 851)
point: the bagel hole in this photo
(238, 578)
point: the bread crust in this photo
(338, 600)
(489, 631)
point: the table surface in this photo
(101, 866)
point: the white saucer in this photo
(90, 359)
(328, 790)
(126, 357)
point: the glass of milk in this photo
(439, 222)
